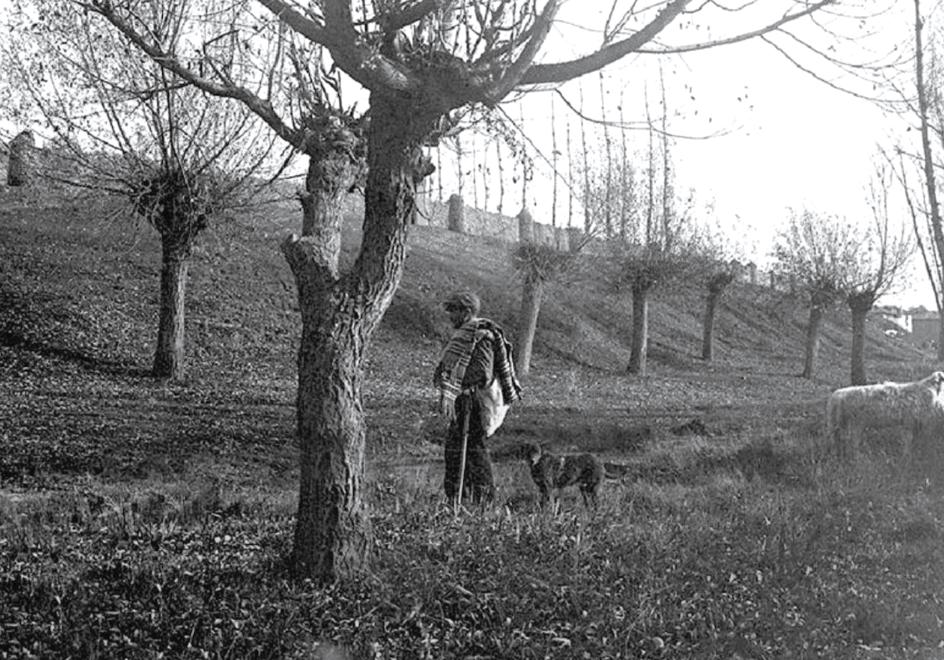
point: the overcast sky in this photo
(791, 141)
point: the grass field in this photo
(143, 519)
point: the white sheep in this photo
(914, 409)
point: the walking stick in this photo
(465, 442)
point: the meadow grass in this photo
(143, 519)
(716, 562)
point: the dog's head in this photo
(531, 452)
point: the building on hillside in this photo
(920, 326)
(896, 316)
(925, 328)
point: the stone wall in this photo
(477, 222)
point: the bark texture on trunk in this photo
(339, 314)
(930, 179)
(321, 208)
(332, 528)
(640, 342)
(716, 286)
(859, 305)
(532, 294)
(858, 346)
(812, 340)
(708, 331)
(169, 354)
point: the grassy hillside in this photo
(80, 294)
(139, 517)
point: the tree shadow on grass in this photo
(88, 362)
(564, 435)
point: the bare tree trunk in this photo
(439, 171)
(624, 172)
(532, 293)
(608, 190)
(570, 178)
(525, 167)
(169, 355)
(486, 176)
(588, 221)
(554, 174)
(937, 230)
(859, 313)
(668, 229)
(332, 530)
(475, 171)
(339, 315)
(640, 342)
(716, 286)
(812, 340)
(651, 179)
(500, 159)
(708, 330)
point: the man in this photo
(476, 382)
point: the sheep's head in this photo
(937, 379)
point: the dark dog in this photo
(552, 473)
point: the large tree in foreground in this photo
(927, 103)
(419, 61)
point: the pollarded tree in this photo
(122, 124)
(665, 250)
(715, 266)
(883, 256)
(419, 61)
(818, 253)
(653, 241)
(536, 265)
(716, 283)
(643, 268)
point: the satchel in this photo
(492, 407)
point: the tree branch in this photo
(259, 106)
(398, 20)
(352, 55)
(563, 71)
(304, 26)
(771, 27)
(520, 67)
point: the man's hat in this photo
(463, 300)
